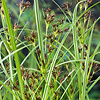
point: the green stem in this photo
(76, 49)
(40, 38)
(47, 25)
(11, 33)
(0, 95)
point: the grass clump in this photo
(50, 70)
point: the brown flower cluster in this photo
(48, 17)
(89, 1)
(65, 7)
(23, 5)
(32, 81)
(16, 26)
(7, 67)
(31, 38)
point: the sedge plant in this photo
(50, 70)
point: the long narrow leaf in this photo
(9, 90)
(37, 17)
(11, 33)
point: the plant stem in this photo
(40, 38)
(11, 33)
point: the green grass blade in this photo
(45, 94)
(86, 64)
(9, 90)
(38, 19)
(69, 84)
(76, 47)
(93, 84)
(11, 33)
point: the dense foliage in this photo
(46, 54)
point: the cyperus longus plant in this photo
(51, 70)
